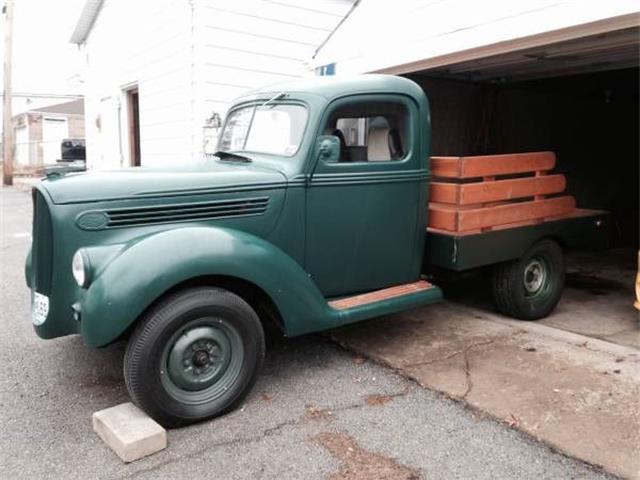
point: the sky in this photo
(43, 58)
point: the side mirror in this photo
(329, 148)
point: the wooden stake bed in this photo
(379, 295)
(482, 193)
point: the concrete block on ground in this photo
(129, 432)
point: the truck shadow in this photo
(472, 289)
(97, 373)
(599, 274)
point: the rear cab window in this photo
(370, 131)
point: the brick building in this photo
(39, 132)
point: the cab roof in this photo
(332, 87)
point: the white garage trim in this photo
(541, 39)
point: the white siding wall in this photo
(190, 58)
(378, 36)
(147, 43)
(245, 44)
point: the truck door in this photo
(364, 229)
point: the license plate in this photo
(39, 308)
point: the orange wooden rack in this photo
(482, 193)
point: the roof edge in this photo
(86, 20)
(571, 32)
(342, 20)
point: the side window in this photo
(370, 131)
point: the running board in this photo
(376, 296)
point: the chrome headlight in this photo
(80, 268)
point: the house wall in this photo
(21, 139)
(76, 126)
(28, 147)
(23, 102)
(251, 43)
(148, 44)
(189, 59)
(31, 145)
(35, 138)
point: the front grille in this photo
(42, 248)
(125, 217)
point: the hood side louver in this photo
(185, 212)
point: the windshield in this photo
(273, 129)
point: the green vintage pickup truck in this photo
(311, 215)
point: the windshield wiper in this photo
(222, 155)
(277, 96)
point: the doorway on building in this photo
(133, 122)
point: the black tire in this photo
(227, 350)
(530, 287)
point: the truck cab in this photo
(312, 214)
(359, 175)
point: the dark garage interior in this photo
(578, 99)
(589, 120)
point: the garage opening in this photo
(589, 120)
(578, 99)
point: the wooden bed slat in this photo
(455, 220)
(576, 213)
(491, 165)
(498, 190)
(442, 217)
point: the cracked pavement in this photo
(49, 389)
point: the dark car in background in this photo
(72, 157)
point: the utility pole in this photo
(7, 124)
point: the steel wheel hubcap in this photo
(535, 276)
(202, 361)
(198, 357)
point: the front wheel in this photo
(530, 287)
(194, 356)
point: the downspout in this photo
(120, 131)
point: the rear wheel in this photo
(194, 356)
(530, 287)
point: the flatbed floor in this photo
(460, 251)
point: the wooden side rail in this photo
(446, 217)
(492, 165)
(466, 196)
(496, 190)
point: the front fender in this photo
(148, 267)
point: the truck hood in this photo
(143, 182)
